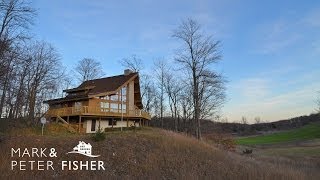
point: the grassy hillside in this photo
(311, 131)
(239, 129)
(146, 154)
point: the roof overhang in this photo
(60, 100)
(78, 89)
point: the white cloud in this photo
(282, 34)
(272, 99)
(276, 36)
(253, 88)
(277, 107)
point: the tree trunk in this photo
(4, 90)
(32, 103)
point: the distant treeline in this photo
(208, 127)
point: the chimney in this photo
(127, 72)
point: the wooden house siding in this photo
(96, 99)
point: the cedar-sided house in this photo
(110, 102)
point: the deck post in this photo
(140, 125)
(100, 123)
(79, 123)
(112, 123)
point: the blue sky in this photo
(271, 49)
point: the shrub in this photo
(99, 135)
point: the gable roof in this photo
(94, 87)
(108, 84)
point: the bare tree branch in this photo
(88, 69)
(160, 72)
(197, 54)
(15, 16)
(133, 63)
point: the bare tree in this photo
(88, 69)
(156, 105)
(186, 105)
(197, 55)
(160, 72)
(8, 59)
(257, 120)
(173, 89)
(148, 89)
(4, 47)
(43, 75)
(211, 93)
(133, 63)
(244, 120)
(67, 83)
(16, 97)
(33, 74)
(15, 18)
(147, 92)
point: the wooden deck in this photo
(97, 111)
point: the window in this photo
(124, 108)
(124, 90)
(124, 94)
(124, 98)
(77, 106)
(104, 106)
(114, 107)
(114, 122)
(114, 97)
(93, 125)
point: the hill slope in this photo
(239, 129)
(145, 154)
(311, 131)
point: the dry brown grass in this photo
(224, 141)
(146, 154)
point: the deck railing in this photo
(87, 110)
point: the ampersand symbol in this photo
(53, 153)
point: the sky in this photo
(270, 49)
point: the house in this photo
(111, 102)
(83, 148)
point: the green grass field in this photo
(311, 131)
